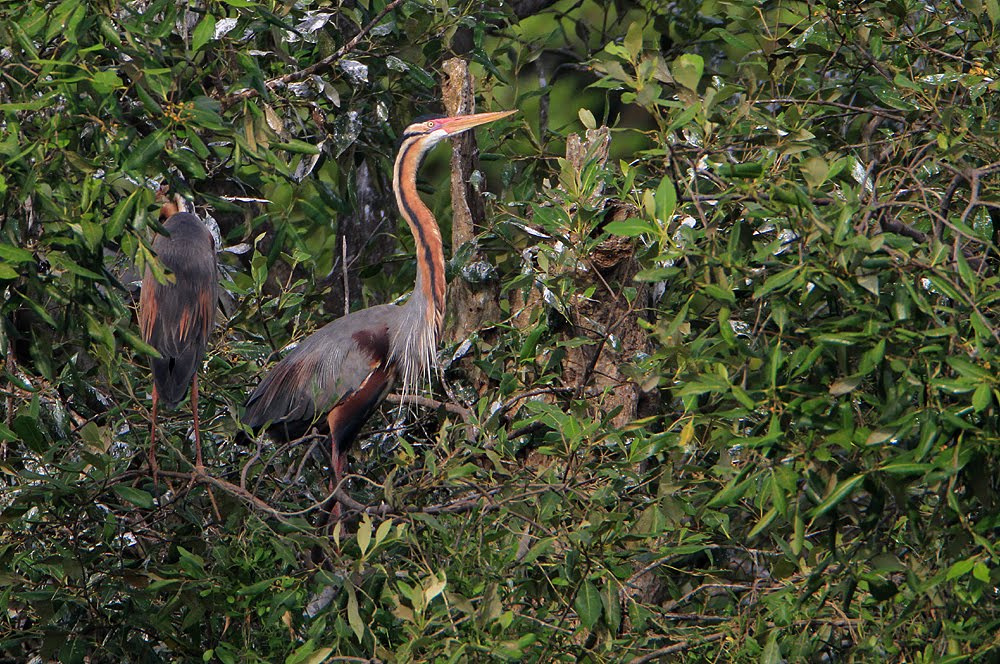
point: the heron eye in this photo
(430, 124)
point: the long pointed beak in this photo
(459, 123)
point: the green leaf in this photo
(64, 262)
(298, 147)
(383, 531)
(632, 227)
(763, 523)
(684, 117)
(203, 32)
(106, 81)
(982, 398)
(731, 493)
(464, 470)
(188, 161)
(771, 654)
(960, 568)
(587, 118)
(844, 386)
(35, 104)
(969, 278)
(435, 587)
(147, 149)
(364, 535)
(308, 653)
(11, 254)
(741, 395)
(529, 348)
(588, 604)
(968, 369)
(749, 170)
(815, 171)
(539, 548)
(776, 281)
(890, 97)
(687, 70)
(633, 40)
(120, 215)
(904, 468)
(30, 434)
(612, 606)
(137, 497)
(6, 433)
(839, 493)
(666, 200)
(353, 614)
(255, 589)
(656, 274)
(993, 9)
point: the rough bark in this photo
(608, 319)
(470, 302)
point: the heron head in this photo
(434, 129)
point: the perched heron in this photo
(176, 316)
(335, 378)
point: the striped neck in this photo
(430, 283)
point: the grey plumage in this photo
(177, 318)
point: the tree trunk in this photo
(473, 293)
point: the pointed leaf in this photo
(137, 497)
(353, 615)
(145, 150)
(631, 227)
(588, 604)
(204, 31)
(364, 535)
(841, 491)
(633, 40)
(666, 200)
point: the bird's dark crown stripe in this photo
(410, 153)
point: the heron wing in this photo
(349, 356)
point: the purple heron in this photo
(335, 378)
(176, 316)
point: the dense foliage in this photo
(738, 398)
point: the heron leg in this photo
(152, 440)
(199, 467)
(338, 462)
(199, 463)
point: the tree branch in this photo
(316, 67)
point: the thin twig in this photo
(426, 402)
(711, 547)
(228, 487)
(881, 112)
(343, 271)
(509, 403)
(677, 647)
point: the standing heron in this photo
(336, 377)
(176, 317)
